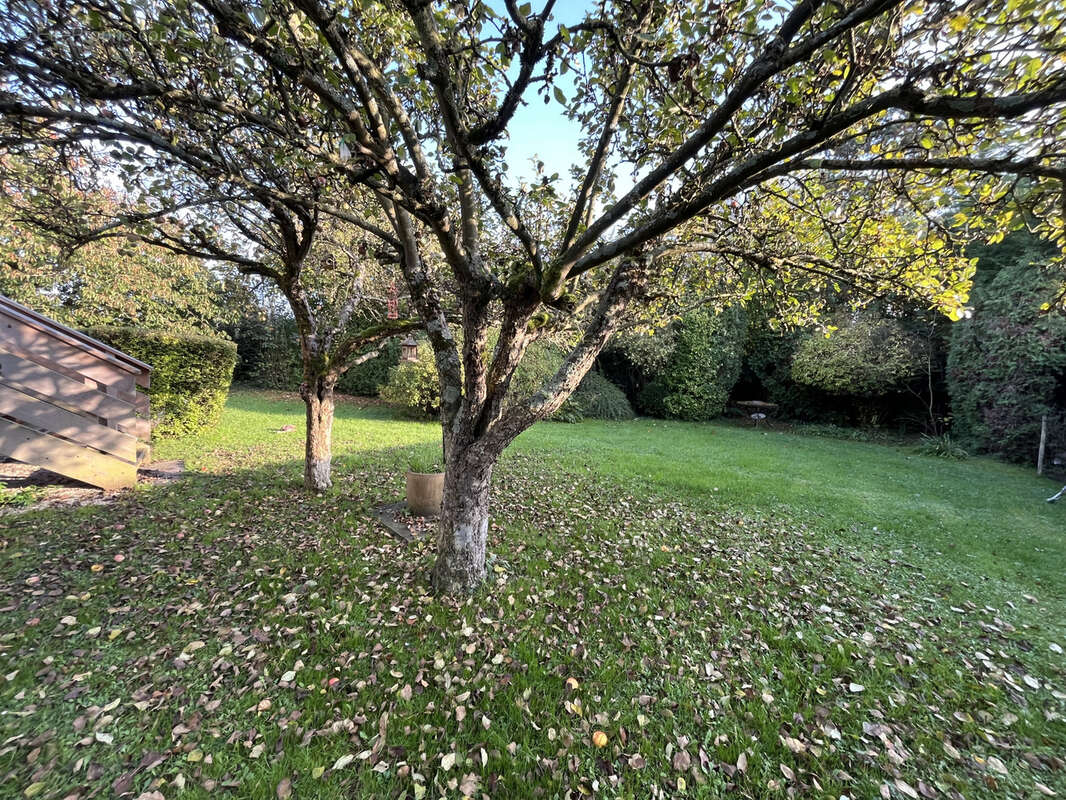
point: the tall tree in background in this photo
(709, 106)
(104, 283)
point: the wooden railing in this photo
(69, 403)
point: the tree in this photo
(714, 108)
(107, 282)
(201, 185)
(1007, 362)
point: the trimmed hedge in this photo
(190, 374)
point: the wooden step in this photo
(49, 349)
(66, 458)
(32, 378)
(35, 413)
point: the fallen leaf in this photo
(284, 789)
(906, 788)
(996, 765)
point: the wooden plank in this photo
(66, 458)
(43, 347)
(26, 375)
(42, 415)
(82, 340)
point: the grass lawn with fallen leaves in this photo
(741, 612)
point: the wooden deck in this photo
(69, 403)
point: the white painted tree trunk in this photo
(318, 450)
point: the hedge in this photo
(190, 374)
(414, 388)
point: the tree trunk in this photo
(464, 522)
(318, 447)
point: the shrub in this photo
(702, 369)
(941, 446)
(413, 386)
(190, 375)
(868, 356)
(1007, 364)
(595, 398)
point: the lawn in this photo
(742, 612)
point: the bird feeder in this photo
(409, 349)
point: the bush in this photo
(1007, 364)
(595, 398)
(190, 375)
(702, 369)
(413, 386)
(868, 356)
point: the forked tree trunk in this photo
(464, 523)
(317, 394)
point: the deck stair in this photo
(70, 403)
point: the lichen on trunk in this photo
(462, 541)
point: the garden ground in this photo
(738, 610)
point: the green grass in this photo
(717, 594)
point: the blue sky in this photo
(540, 130)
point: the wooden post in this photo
(1043, 441)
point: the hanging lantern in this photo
(409, 349)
